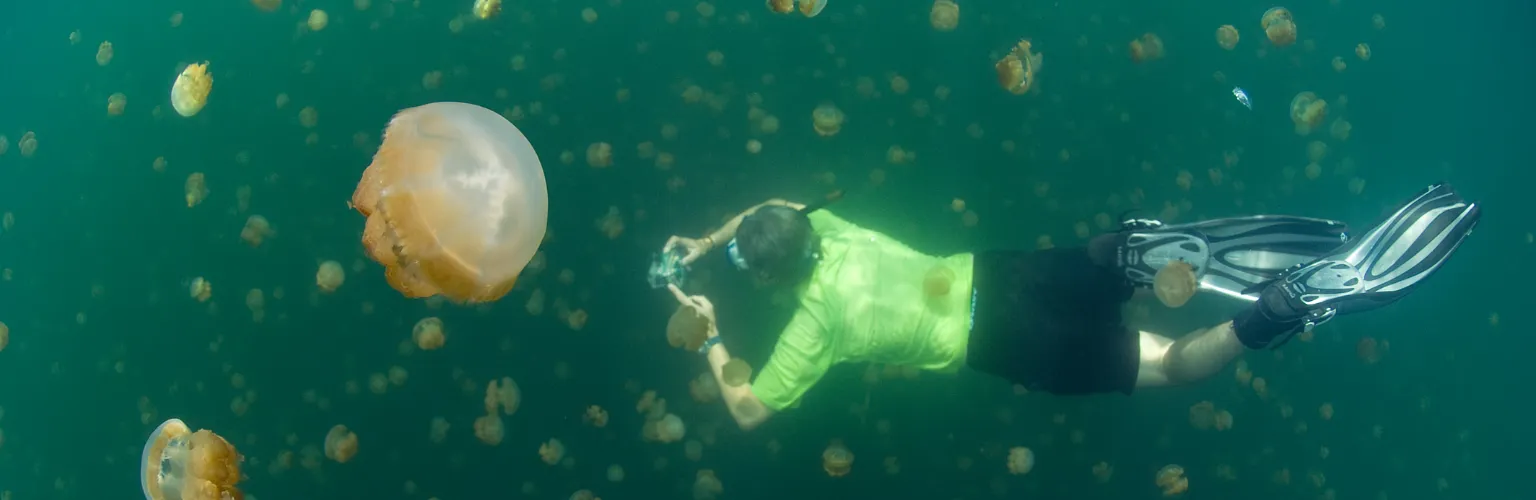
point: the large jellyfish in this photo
(455, 200)
(179, 464)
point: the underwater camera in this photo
(667, 269)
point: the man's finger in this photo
(688, 259)
(682, 298)
(671, 242)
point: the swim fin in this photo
(1234, 256)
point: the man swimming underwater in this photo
(1050, 320)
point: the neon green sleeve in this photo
(802, 356)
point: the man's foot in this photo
(1374, 270)
(1235, 256)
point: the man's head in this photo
(778, 245)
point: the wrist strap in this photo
(704, 349)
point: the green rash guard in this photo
(867, 302)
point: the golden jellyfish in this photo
(1016, 71)
(706, 486)
(5, 144)
(256, 230)
(104, 53)
(596, 416)
(190, 92)
(944, 15)
(340, 444)
(116, 103)
(589, 15)
(552, 451)
(1223, 420)
(1378, 22)
(599, 155)
(1202, 415)
(318, 20)
(1175, 283)
(1226, 36)
(938, 281)
(5, 335)
(1325, 411)
(1363, 52)
(1340, 129)
(267, 5)
(1368, 350)
(196, 189)
(179, 464)
(1307, 112)
(201, 289)
(330, 276)
(704, 389)
(837, 460)
(827, 119)
(1279, 26)
(1338, 64)
(1102, 472)
(735, 373)
(489, 429)
(615, 473)
(1020, 460)
(670, 429)
(428, 333)
(1147, 48)
(439, 430)
(1172, 481)
(509, 395)
(27, 144)
(781, 6)
(486, 9)
(687, 329)
(256, 301)
(309, 117)
(810, 8)
(456, 202)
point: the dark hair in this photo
(778, 244)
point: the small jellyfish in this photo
(1147, 48)
(1202, 415)
(1223, 420)
(1338, 64)
(439, 430)
(1307, 112)
(1226, 36)
(938, 281)
(1363, 52)
(509, 395)
(179, 464)
(116, 103)
(827, 120)
(196, 189)
(1016, 71)
(944, 15)
(1368, 350)
(1172, 481)
(781, 6)
(837, 460)
(599, 155)
(489, 429)
(704, 389)
(670, 429)
(5, 335)
(309, 117)
(428, 333)
(1020, 460)
(615, 473)
(687, 329)
(589, 15)
(735, 373)
(256, 301)
(706, 486)
(27, 144)
(318, 20)
(1325, 411)
(1102, 472)
(104, 53)
(190, 92)
(330, 276)
(1279, 26)
(340, 444)
(456, 203)
(1340, 129)
(552, 451)
(810, 8)
(596, 416)
(201, 289)
(486, 9)
(256, 230)
(1175, 283)
(267, 5)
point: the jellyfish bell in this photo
(190, 92)
(1307, 112)
(486, 9)
(456, 202)
(735, 373)
(1278, 26)
(810, 8)
(1175, 283)
(1016, 71)
(687, 329)
(781, 6)
(178, 464)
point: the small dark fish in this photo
(1242, 97)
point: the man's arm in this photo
(728, 230)
(744, 406)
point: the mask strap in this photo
(734, 256)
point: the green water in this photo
(104, 248)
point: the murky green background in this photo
(103, 247)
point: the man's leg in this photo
(1193, 357)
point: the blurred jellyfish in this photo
(1226, 36)
(837, 460)
(1307, 112)
(190, 92)
(1175, 283)
(1340, 129)
(318, 20)
(257, 303)
(1363, 51)
(340, 444)
(1279, 26)
(1147, 48)
(1172, 481)
(196, 189)
(116, 103)
(201, 289)
(309, 117)
(1102, 472)
(810, 8)
(706, 486)
(486, 9)
(596, 416)
(781, 6)
(1223, 420)
(1325, 411)
(687, 329)
(552, 451)
(735, 373)
(693, 450)
(489, 429)
(670, 429)
(104, 53)
(27, 144)
(1317, 150)
(599, 155)
(1338, 64)
(1202, 415)
(1368, 350)
(1016, 71)
(456, 202)
(944, 15)
(256, 230)
(330, 276)
(509, 395)
(704, 389)
(1020, 460)
(438, 432)
(5, 335)
(827, 119)
(428, 333)
(179, 464)
(398, 376)
(1378, 22)
(938, 281)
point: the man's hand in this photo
(692, 248)
(700, 304)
